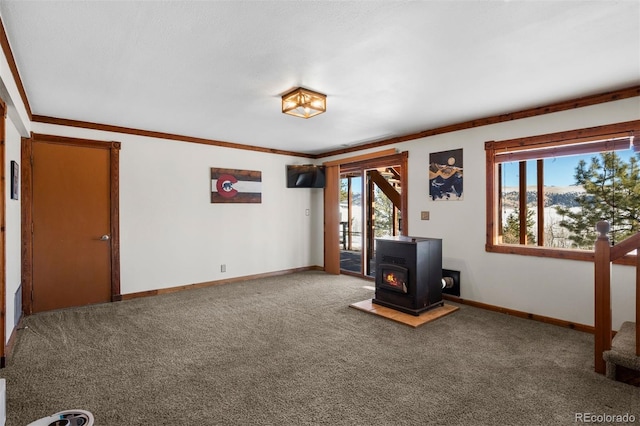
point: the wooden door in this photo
(71, 231)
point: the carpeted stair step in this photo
(623, 351)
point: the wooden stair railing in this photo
(604, 255)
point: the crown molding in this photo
(6, 48)
(614, 95)
(161, 135)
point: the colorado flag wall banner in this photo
(235, 186)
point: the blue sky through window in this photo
(558, 171)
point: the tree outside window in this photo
(549, 191)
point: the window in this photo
(546, 193)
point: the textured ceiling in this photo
(217, 69)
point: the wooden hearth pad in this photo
(401, 317)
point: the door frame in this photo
(363, 167)
(27, 209)
(332, 199)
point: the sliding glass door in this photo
(371, 206)
(351, 231)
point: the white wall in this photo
(171, 233)
(13, 229)
(556, 288)
(16, 125)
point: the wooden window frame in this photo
(563, 141)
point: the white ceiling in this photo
(217, 69)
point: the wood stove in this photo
(409, 273)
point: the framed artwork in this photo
(15, 180)
(445, 175)
(235, 186)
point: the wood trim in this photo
(6, 48)
(573, 254)
(386, 188)
(27, 209)
(331, 247)
(582, 102)
(614, 95)
(491, 198)
(604, 254)
(568, 147)
(507, 311)
(11, 342)
(569, 137)
(27, 219)
(368, 225)
(162, 135)
(521, 314)
(625, 246)
(349, 213)
(498, 220)
(175, 289)
(541, 200)
(492, 147)
(584, 255)
(404, 196)
(360, 158)
(331, 220)
(114, 172)
(638, 306)
(602, 301)
(522, 205)
(373, 163)
(64, 140)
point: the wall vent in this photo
(17, 305)
(455, 289)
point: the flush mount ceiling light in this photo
(304, 103)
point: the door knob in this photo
(105, 237)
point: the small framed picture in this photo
(15, 180)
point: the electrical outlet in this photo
(223, 268)
(424, 215)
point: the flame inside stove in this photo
(393, 280)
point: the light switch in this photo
(424, 215)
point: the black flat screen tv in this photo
(305, 176)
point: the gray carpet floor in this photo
(289, 350)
